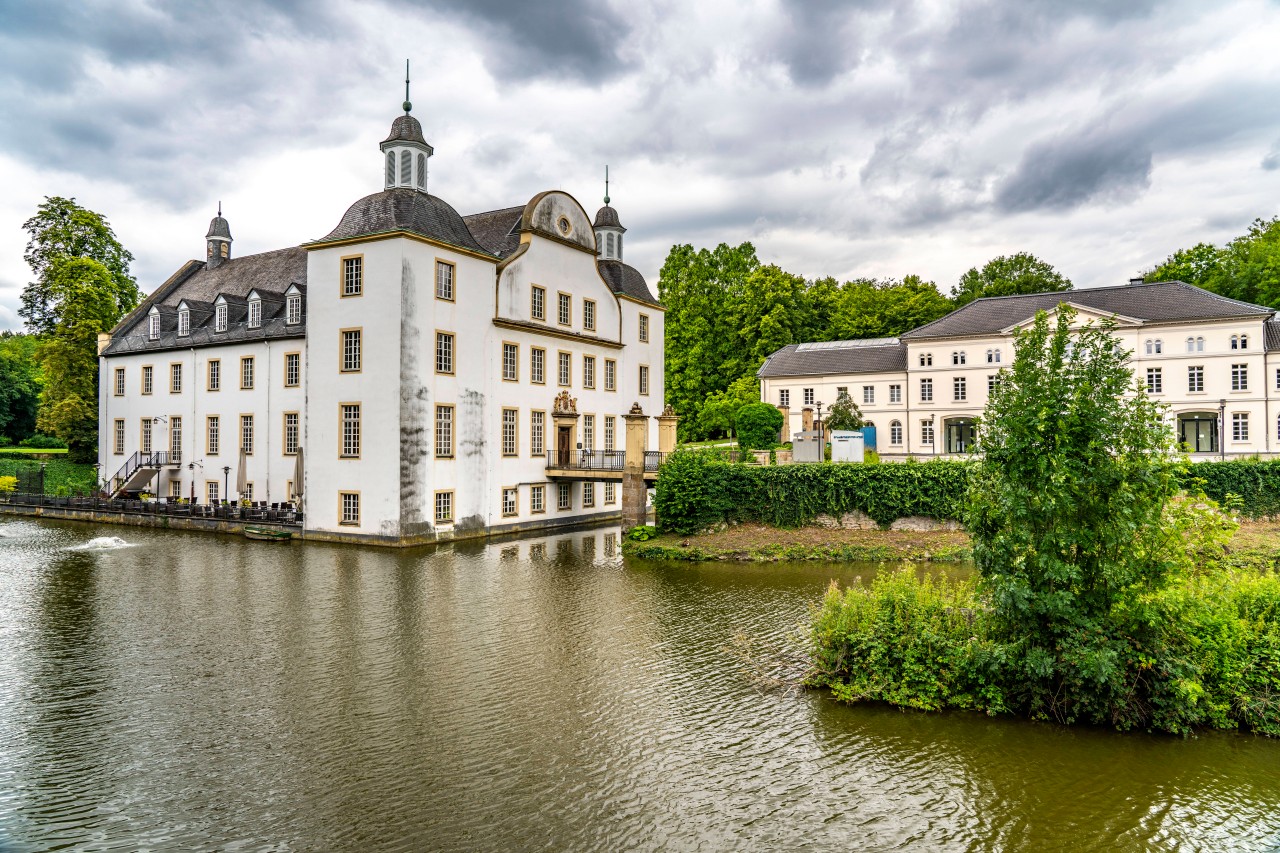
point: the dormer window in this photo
(220, 318)
(153, 327)
(255, 313)
(293, 309)
(184, 323)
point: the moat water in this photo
(179, 691)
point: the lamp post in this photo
(226, 472)
(1222, 428)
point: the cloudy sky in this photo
(870, 138)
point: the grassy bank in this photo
(764, 543)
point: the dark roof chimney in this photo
(1138, 280)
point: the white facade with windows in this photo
(1214, 362)
(413, 354)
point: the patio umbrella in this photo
(242, 476)
(297, 478)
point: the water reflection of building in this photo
(1213, 361)
(426, 365)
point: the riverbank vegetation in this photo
(61, 476)
(1103, 595)
(765, 543)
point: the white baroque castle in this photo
(1214, 362)
(426, 366)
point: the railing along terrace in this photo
(273, 513)
(653, 460)
(587, 460)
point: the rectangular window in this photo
(926, 390)
(510, 432)
(644, 379)
(588, 315)
(444, 352)
(537, 365)
(349, 502)
(350, 416)
(926, 432)
(808, 397)
(537, 433)
(255, 313)
(119, 381)
(352, 345)
(153, 327)
(566, 309)
(293, 309)
(510, 363)
(588, 371)
(1155, 380)
(959, 389)
(353, 276)
(1195, 378)
(118, 449)
(537, 498)
(246, 372)
(148, 378)
(868, 395)
(215, 374)
(444, 432)
(841, 390)
(220, 318)
(1239, 377)
(538, 303)
(992, 379)
(610, 431)
(588, 432)
(211, 490)
(565, 372)
(1240, 426)
(175, 488)
(510, 500)
(212, 435)
(175, 435)
(444, 280)
(588, 494)
(246, 434)
(292, 369)
(610, 494)
(895, 393)
(175, 379)
(644, 328)
(444, 507)
(610, 375)
(247, 494)
(564, 496)
(290, 433)
(784, 397)
(895, 432)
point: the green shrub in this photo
(8, 484)
(5, 441)
(44, 442)
(758, 426)
(72, 476)
(642, 533)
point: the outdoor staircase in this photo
(139, 469)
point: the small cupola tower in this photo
(217, 241)
(405, 151)
(608, 229)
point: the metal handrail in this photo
(218, 512)
(587, 460)
(653, 460)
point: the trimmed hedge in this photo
(699, 489)
(60, 475)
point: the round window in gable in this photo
(563, 224)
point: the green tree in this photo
(758, 426)
(771, 312)
(1008, 275)
(845, 414)
(63, 229)
(20, 381)
(720, 409)
(1247, 268)
(1065, 509)
(868, 308)
(86, 295)
(1201, 265)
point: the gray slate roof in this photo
(403, 209)
(497, 230)
(218, 227)
(626, 280)
(607, 216)
(1155, 302)
(406, 128)
(836, 357)
(1271, 341)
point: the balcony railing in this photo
(587, 460)
(273, 513)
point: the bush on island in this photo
(758, 426)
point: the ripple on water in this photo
(213, 693)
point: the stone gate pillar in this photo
(667, 422)
(785, 435)
(635, 495)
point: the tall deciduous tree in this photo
(63, 229)
(868, 308)
(20, 381)
(1247, 268)
(86, 296)
(1009, 275)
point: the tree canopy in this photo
(63, 229)
(1247, 268)
(845, 413)
(20, 381)
(1009, 275)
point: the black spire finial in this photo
(407, 106)
(606, 185)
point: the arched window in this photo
(1244, 342)
(422, 171)
(957, 358)
(895, 432)
(997, 356)
(1149, 346)
(608, 245)
(1199, 344)
(391, 168)
(1159, 346)
(1191, 344)
(1235, 342)
(406, 168)
(619, 247)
